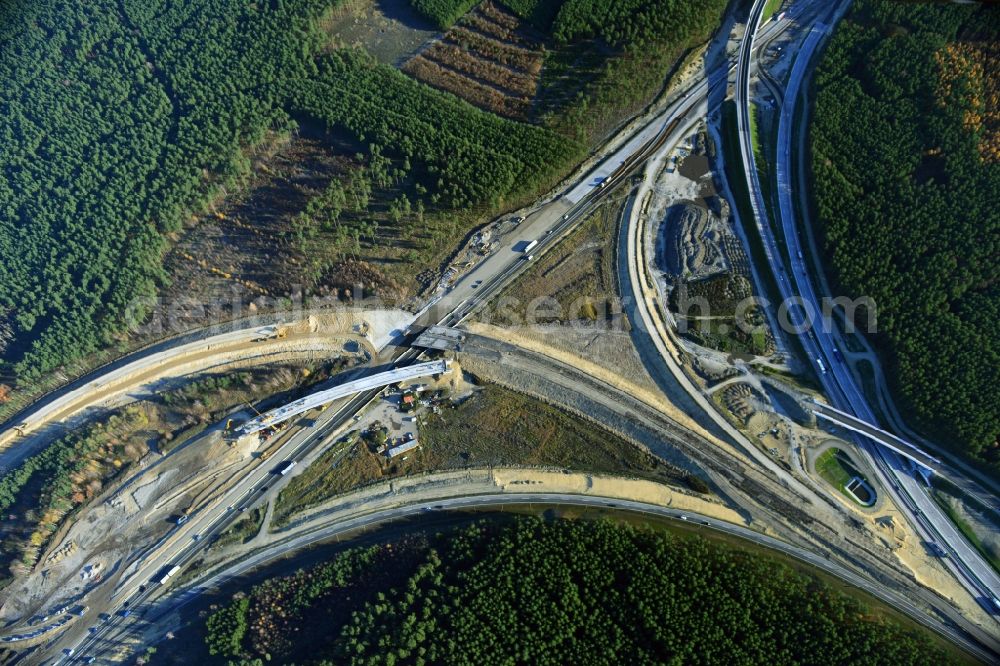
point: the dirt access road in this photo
(319, 335)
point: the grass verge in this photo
(330, 475)
(966, 529)
(837, 470)
(870, 389)
(769, 9)
(243, 530)
(741, 196)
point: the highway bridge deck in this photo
(302, 405)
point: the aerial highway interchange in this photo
(138, 597)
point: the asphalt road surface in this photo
(500, 500)
(546, 224)
(897, 475)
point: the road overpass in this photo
(548, 222)
(874, 433)
(320, 398)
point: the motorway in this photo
(547, 225)
(642, 303)
(898, 477)
(337, 528)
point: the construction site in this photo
(607, 348)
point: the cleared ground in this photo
(700, 261)
(493, 426)
(388, 29)
(492, 59)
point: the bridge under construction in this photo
(313, 400)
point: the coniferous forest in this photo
(120, 118)
(123, 120)
(554, 592)
(906, 168)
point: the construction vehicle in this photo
(271, 333)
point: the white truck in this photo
(530, 246)
(167, 574)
